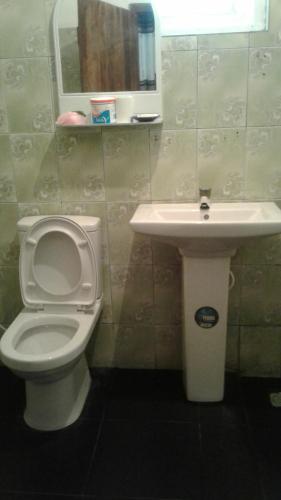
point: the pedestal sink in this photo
(206, 239)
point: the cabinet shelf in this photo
(158, 121)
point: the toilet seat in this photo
(27, 322)
(57, 266)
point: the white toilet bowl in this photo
(46, 345)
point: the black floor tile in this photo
(149, 395)
(45, 462)
(153, 443)
(95, 403)
(256, 400)
(148, 383)
(40, 496)
(229, 468)
(230, 410)
(268, 448)
(12, 392)
(155, 460)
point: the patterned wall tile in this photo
(173, 165)
(168, 347)
(28, 95)
(132, 295)
(221, 162)
(264, 94)
(175, 43)
(107, 310)
(35, 167)
(263, 251)
(125, 246)
(126, 164)
(232, 349)
(31, 39)
(222, 88)
(234, 296)
(223, 41)
(260, 295)
(3, 110)
(48, 11)
(10, 297)
(80, 166)
(167, 295)
(9, 247)
(263, 172)
(179, 78)
(101, 349)
(260, 351)
(164, 254)
(134, 347)
(27, 209)
(7, 185)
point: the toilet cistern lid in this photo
(57, 265)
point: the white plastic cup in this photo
(124, 108)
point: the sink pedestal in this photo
(205, 305)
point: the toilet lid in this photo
(57, 265)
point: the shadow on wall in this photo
(10, 297)
(146, 297)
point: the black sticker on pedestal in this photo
(206, 317)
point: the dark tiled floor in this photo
(138, 438)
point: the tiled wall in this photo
(222, 105)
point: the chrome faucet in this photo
(205, 195)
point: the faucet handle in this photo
(205, 192)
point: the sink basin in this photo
(222, 228)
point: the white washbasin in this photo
(224, 227)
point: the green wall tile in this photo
(7, 184)
(23, 28)
(132, 295)
(179, 77)
(173, 165)
(35, 167)
(260, 351)
(134, 347)
(126, 164)
(10, 297)
(221, 162)
(28, 95)
(264, 98)
(9, 247)
(80, 166)
(222, 88)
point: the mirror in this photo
(107, 47)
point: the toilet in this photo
(61, 288)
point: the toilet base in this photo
(54, 405)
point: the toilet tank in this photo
(91, 225)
